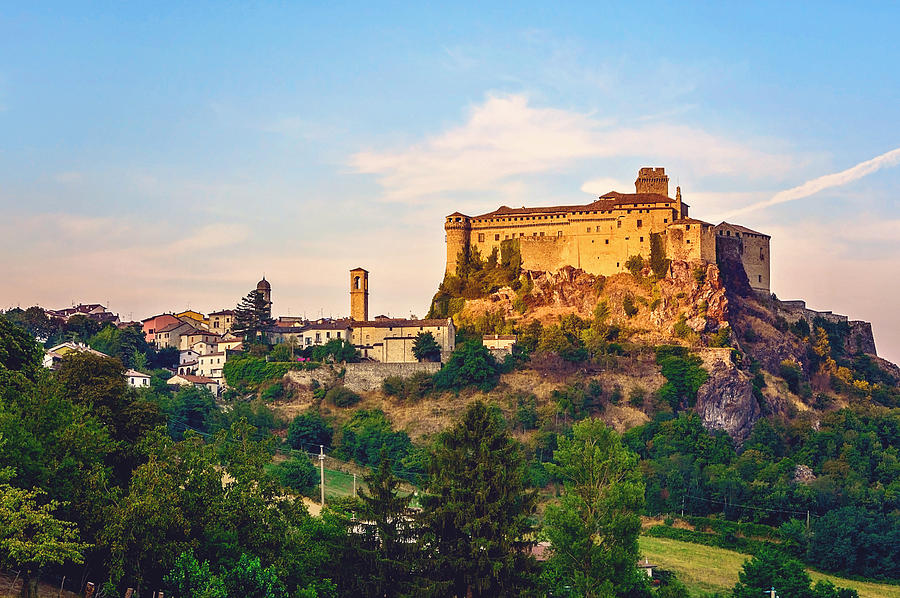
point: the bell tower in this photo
(359, 295)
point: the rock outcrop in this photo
(726, 401)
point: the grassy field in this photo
(706, 570)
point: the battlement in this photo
(652, 180)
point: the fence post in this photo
(129, 592)
(89, 589)
(61, 584)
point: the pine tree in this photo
(384, 554)
(425, 348)
(476, 512)
(253, 316)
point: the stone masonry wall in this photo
(360, 377)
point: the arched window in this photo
(356, 282)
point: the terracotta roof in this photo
(135, 374)
(608, 201)
(194, 362)
(224, 312)
(172, 326)
(742, 229)
(499, 337)
(457, 214)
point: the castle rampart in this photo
(599, 237)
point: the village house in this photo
(191, 380)
(54, 356)
(170, 336)
(151, 325)
(220, 322)
(137, 379)
(189, 339)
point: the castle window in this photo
(687, 227)
(589, 229)
(559, 233)
(618, 224)
(665, 220)
(542, 233)
(617, 264)
(481, 237)
(642, 239)
(497, 237)
(759, 278)
(762, 256)
(521, 234)
(688, 241)
(607, 241)
(640, 223)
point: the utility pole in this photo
(354, 484)
(807, 519)
(322, 473)
(682, 507)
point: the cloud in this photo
(506, 137)
(604, 185)
(811, 187)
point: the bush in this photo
(721, 338)
(340, 396)
(792, 374)
(635, 264)
(309, 430)
(247, 370)
(364, 435)
(392, 386)
(337, 349)
(629, 307)
(298, 474)
(683, 375)
(681, 329)
(272, 392)
(636, 396)
(470, 365)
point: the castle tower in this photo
(265, 289)
(359, 295)
(652, 180)
(458, 228)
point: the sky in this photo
(160, 157)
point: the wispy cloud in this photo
(811, 187)
(506, 137)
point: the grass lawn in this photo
(706, 570)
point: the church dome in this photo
(263, 285)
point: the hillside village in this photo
(622, 317)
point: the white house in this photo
(137, 379)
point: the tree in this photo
(337, 349)
(31, 537)
(309, 430)
(471, 364)
(253, 316)
(18, 351)
(595, 526)
(425, 348)
(249, 578)
(772, 568)
(191, 579)
(635, 264)
(384, 553)
(476, 510)
(298, 474)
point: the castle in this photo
(599, 237)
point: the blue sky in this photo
(162, 156)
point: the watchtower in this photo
(459, 229)
(265, 289)
(652, 180)
(359, 295)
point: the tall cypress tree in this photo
(476, 511)
(253, 316)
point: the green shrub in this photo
(309, 430)
(683, 375)
(700, 275)
(340, 396)
(629, 307)
(272, 392)
(635, 264)
(392, 386)
(247, 370)
(750, 335)
(470, 365)
(681, 329)
(298, 474)
(792, 374)
(721, 338)
(636, 396)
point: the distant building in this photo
(170, 336)
(188, 339)
(94, 311)
(199, 319)
(137, 379)
(190, 380)
(54, 356)
(220, 322)
(152, 325)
